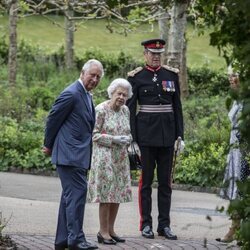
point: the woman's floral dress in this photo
(109, 177)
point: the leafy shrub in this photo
(27, 52)
(240, 207)
(13, 103)
(58, 58)
(100, 94)
(41, 77)
(36, 65)
(8, 135)
(4, 50)
(3, 75)
(206, 120)
(20, 145)
(207, 137)
(22, 103)
(114, 65)
(201, 165)
(32, 74)
(40, 97)
(207, 81)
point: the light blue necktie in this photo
(89, 100)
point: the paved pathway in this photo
(31, 203)
(45, 242)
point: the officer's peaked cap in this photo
(154, 45)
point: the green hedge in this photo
(206, 137)
(201, 164)
(204, 81)
(20, 145)
(41, 77)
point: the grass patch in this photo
(93, 34)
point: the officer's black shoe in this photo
(147, 232)
(168, 233)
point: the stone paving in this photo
(45, 242)
(30, 204)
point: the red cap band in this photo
(156, 45)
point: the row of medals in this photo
(172, 88)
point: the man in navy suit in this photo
(68, 139)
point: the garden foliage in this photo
(41, 77)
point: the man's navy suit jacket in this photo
(69, 128)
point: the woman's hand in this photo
(121, 139)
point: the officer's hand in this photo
(179, 146)
(121, 139)
(136, 147)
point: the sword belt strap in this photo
(166, 108)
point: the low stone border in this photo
(175, 186)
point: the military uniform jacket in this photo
(158, 87)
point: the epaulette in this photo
(135, 71)
(175, 70)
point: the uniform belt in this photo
(167, 108)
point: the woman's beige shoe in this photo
(229, 237)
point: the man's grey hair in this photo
(91, 62)
(119, 82)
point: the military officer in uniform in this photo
(156, 123)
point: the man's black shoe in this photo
(166, 232)
(61, 246)
(147, 232)
(83, 246)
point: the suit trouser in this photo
(162, 157)
(72, 205)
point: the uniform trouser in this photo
(161, 158)
(72, 205)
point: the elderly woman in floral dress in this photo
(109, 177)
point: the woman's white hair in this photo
(119, 82)
(232, 71)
